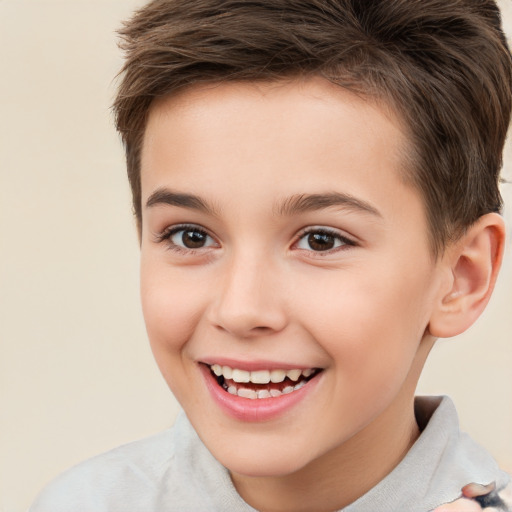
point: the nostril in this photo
(259, 331)
(251, 332)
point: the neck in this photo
(339, 477)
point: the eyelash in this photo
(345, 241)
(167, 234)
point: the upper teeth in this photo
(259, 376)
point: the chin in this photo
(258, 461)
(261, 468)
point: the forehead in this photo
(278, 138)
(311, 102)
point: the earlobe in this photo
(472, 264)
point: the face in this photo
(286, 274)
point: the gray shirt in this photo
(174, 472)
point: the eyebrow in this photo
(302, 203)
(168, 197)
(299, 203)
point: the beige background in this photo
(76, 374)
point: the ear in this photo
(470, 266)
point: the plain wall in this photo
(76, 373)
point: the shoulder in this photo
(171, 471)
(125, 478)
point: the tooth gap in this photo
(316, 371)
(302, 377)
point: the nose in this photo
(248, 302)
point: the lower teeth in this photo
(262, 393)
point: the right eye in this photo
(187, 238)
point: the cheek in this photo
(372, 323)
(171, 306)
(357, 304)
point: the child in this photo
(315, 185)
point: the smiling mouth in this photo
(261, 383)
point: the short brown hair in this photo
(443, 65)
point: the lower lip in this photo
(254, 410)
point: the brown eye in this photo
(191, 238)
(321, 241)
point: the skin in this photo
(257, 291)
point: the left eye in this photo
(321, 240)
(191, 238)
